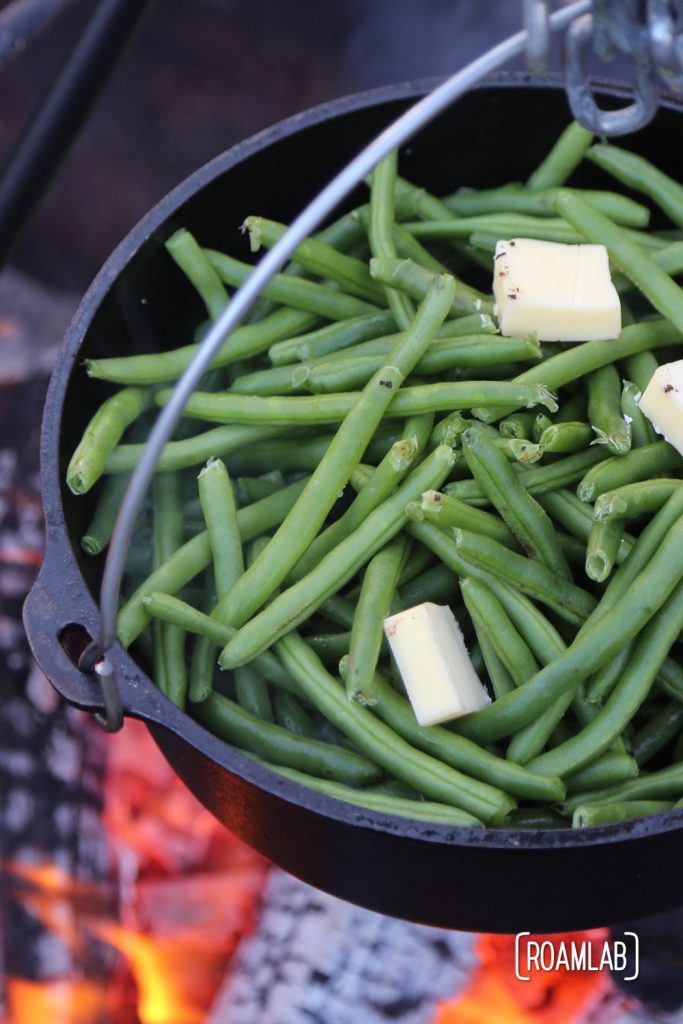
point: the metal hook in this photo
(95, 663)
(665, 25)
(580, 94)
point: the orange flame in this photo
(63, 1001)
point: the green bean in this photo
(563, 438)
(427, 811)
(609, 814)
(331, 338)
(168, 532)
(517, 225)
(576, 517)
(102, 435)
(203, 658)
(330, 647)
(507, 642)
(300, 600)
(418, 561)
(318, 258)
(523, 515)
(374, 603)
(604, 410)
(457, 752)
(381, 232)
(253, 488)
(381, 483)
(539, 202)
(191, 451)
(438, 584)
(292, 715)
(217, 501)
(640, 174)
(541, 636)
(195, 555)
(541, 422)
(170, 609)
(642, 431)
(639, 464)
(576, 362)
(464, 553)
(241, 728)
(415, 281)
(183, 248)
(157, 367)
(410, 248)
(499, 677)
(606, 770)
(305, 519)
(275, 380)
(99, 530)
(663, 784)
(519, 425)
(658, 732)
(642, 498)
(630, 692)
(449, 430)
(563, 158)
(604, 540)
(293, 291)
(626, 254)
(573, 409)
(476, 351)
(449, 513)
(323, 409)
(602, 637)
(471, 326)
(538, 479)
(641, 367)
(435, 780)
(252, 693)
(670, 679)
(534, 817)
(338, 609)
(220, 513)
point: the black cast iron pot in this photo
(478, 880)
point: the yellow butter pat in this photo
(558, 292)
(662, 402)
(431, 656)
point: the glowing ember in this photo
(558, 996)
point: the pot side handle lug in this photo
(59, 628)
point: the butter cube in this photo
(434, 664)
(558, 292)
(662, 402)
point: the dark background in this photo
(202, 75)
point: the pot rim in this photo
(136, 683)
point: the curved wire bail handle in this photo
(93, 662)
(580, 94)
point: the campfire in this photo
(154, 939)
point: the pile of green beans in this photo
(367, 441)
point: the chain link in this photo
(648, 33)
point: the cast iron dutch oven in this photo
(479, 880)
